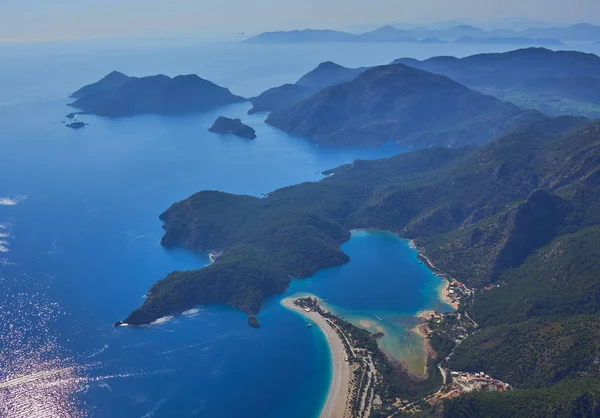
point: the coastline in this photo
(422, 330)
(443, 287)
(338, 396)
(443, 293)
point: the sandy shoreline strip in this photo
(339, 389)
(443, 293)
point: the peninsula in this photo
(515, 222)
(365, 382)
(235, 127)
(118, 95)
(339, 395)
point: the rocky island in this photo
(225, 125)
(118, 95)
(76, 125)
(253, 321)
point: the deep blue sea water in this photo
(80, 235)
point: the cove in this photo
(381, 289)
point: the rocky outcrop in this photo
(235, 127)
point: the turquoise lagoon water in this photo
(79, 241)
(381, 289)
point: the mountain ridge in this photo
(531, 36)
(397, 103)
(325, 75)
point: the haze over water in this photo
(79, 239)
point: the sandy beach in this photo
(422, 331)
(339, 390)
(443, 293)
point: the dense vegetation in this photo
(398, 103)
(578, 398)
(559, 280)
(118, 95)
(558, 82)
(476, 213)
(538, 352)
(521, 213)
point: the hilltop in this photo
(118, 95)
(224, 125)
(327, 74)
(398, 103)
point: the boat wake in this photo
(98, 352)
(12, 201)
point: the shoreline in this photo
(443, 293)
(446, 282)
(422, 330)
(338, 396)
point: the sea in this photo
(80, 234)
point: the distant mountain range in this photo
(460, 33)
(398, 103)
(118, 95)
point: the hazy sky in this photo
(83, 19)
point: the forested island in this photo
(476, 212)
(118, 95)
(235, 127)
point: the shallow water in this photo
(381, 289)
